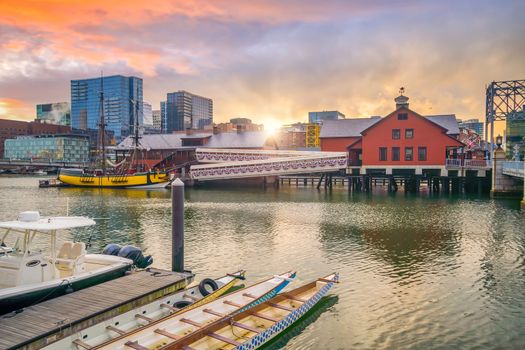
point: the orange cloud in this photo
(15, 109)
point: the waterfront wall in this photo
(503, 185)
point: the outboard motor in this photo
(111, 249)
(135, 254)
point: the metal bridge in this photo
(514, 169)
(222, 164)
(504, 100)
(41, 163)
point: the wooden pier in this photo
(52, 320)
(409, 183)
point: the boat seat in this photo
(70, 255)
(78, 250)
(65, 250)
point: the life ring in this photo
(181, 304)
(207, 281)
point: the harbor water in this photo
(417, 271)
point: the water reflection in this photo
(417, 271)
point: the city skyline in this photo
(268, 60)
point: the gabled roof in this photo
(195, 136)
(346, 127)
(248, 139)
(156, 141)
(447, 121)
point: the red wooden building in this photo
(402, 142)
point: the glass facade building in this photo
(318, 117)
(515, 134)
(163, 117)
(54, 113)
(472, 124)
(187, 111)
(63, 148)
(121, 95)
(147, 115)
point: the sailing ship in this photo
(128, 173)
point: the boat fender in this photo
(181, 304)
(111, 249)
(135, 254)
(207, 281)
(69, 288)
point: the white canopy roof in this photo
(49, 223)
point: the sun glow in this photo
(3, 108)
(272, 125)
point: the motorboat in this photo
(29, 275)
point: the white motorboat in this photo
(29, 276)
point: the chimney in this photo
(401, 100)
(215, 130)
(189, 131)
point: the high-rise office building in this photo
(515, 134)
(163, 118)
(54, 113)
(187, 111)
(157, 121)
(472, 124)
(318, 117)
(122, 103)
(147, 115)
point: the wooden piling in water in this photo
(177, 226)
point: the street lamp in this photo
(499, 141)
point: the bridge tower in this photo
(505, 100)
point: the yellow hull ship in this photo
(78, 178)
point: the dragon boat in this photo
(161, 333)
(252, 328)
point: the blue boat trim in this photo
(286, 322)
(267, 296)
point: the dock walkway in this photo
(52, 320)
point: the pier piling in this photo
(177, 226)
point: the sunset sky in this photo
(271, 61)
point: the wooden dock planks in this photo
(44, 323)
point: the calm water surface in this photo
(416, 271)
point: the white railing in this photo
(214, 155)
(480, 164)
(469, 164)
(513, 168)
(453, 163)
(270, 167)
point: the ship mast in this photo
(102, 126)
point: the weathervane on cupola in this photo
(401, 100)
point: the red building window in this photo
(421, 153)
(395, 153)
(402, 116)
(396, 134)
(382, 154)
(409, 133)
(409, 153)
